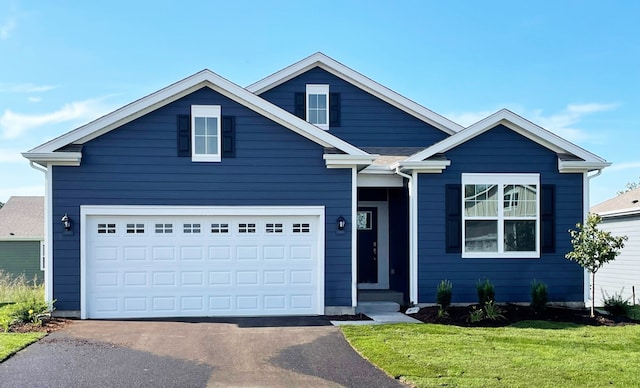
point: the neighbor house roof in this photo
(341, 71)
(205, 78)
(571, 158)
(22, 218)
(624, 204)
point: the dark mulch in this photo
(48, 325)
(355, 317)
(459, 316)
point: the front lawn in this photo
(529, 353)
(10, 343)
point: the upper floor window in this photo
(501, 215)
(205, 133)
(318, 105)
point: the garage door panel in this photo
(174, 266)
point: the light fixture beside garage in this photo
(66, 221)
(341, 223)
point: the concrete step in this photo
(377, 307)
(380, 296)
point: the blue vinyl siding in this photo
(499, 150)
(366, 121)
(137, 164)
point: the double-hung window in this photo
(501, 215)
(318, 105)
(205, 133)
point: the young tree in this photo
(592, 248)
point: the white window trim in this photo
(205, 111)
(317, 89)
(43, 256)
(501, 180)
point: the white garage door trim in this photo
(315, 212)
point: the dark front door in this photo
(367, 224)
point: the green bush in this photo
(539, 296)
(492, 311)
(443, 295)
(486, 292)
(616, 304)
(476, 315)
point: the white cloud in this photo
(34, 99)
(625, 166)
(6, 28)
(13, 124)
(25, 88)
(5, 193)
(563, 123)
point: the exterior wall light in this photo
(66, 221)
(341, 223)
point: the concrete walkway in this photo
(380, 318)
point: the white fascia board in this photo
(620, 213)
(348, 161)
(22, 239)
(341, 71)
(184, 87)
(578, 166)
(425, 166)
(515, 123)
(54, 158)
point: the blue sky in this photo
(572, 67)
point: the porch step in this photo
(377, 307)
(380, 296)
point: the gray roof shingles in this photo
(22, 218)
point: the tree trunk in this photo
(593, 293)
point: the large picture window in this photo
(205, 133)
(501, 215)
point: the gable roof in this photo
(205, 78)
(338, 69)
(624, 204)
(571, 158)
(22, 218)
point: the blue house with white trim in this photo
(299, 193)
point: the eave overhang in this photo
(424, 166)
(348, 161)
(54, 158)
(579, 166)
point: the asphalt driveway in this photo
(242, 352)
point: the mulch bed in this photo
(48, 325)
(459, 316)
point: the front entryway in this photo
(372, 223)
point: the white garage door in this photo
(202, 265)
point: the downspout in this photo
(48, 265)
(586, 188)
(413, 234)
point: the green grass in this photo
(10, 343)
(530, 353)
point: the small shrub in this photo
(616, 305)
(443, 295)
(442, 313)
(486, 292)
(476, 315)
(492, 311)
(539, 296)
(27, 302)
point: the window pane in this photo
(322, 101)
(481, 236)
(313, 116)
(520, 236)
(313, 101)
(481, 200)
(520, 200)
(212, 145)
(212, 126)
(200, 144)
(322, 117)
(200, 126)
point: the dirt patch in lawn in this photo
(48, 325)
(511, 313)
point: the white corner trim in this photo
(354, 237)
(48, 234)
(341, 71)
(413, 238)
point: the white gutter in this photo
(48, 233)
(413, 233)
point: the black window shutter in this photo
(184, 135)
(334, 109)
(228, 136)
(453, 210)
(547, 219)
(300, 105)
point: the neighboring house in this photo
(621, 216)
(22, 237)
(292, 195)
